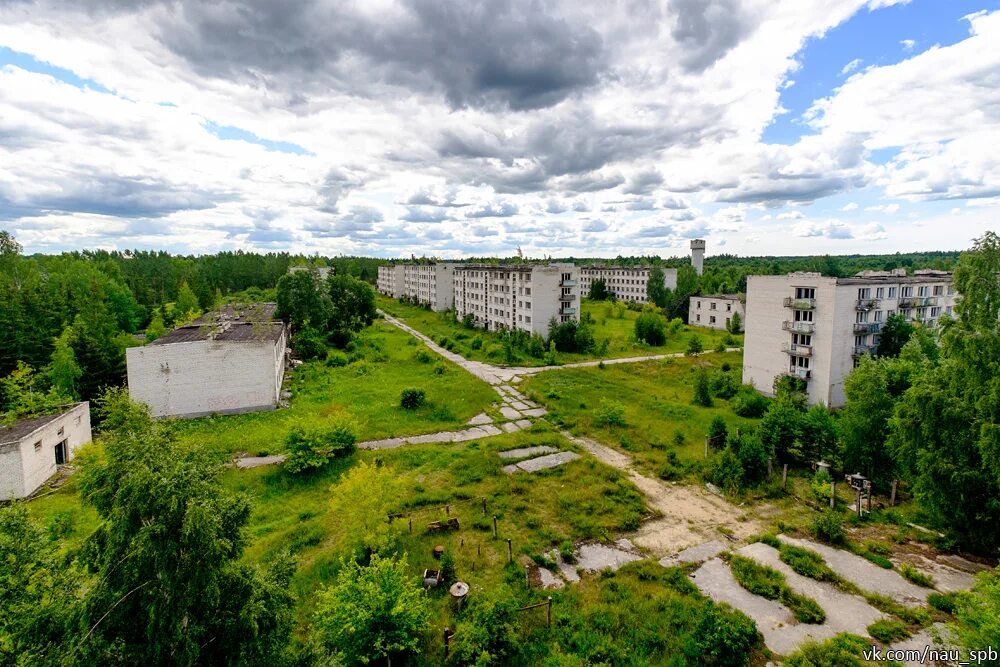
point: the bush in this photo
(411, 399)
(717, 432)
(724, 385)
(610, 413)
(695, 346)
(423, 356)
(650, 328)
(477, 343)
(702, 394)
(724, 637)
(888, 630)
(753, 456)
(829, 527)
(675, 326)
(469, 321)
(748, 402)
(488, 629)
(806, 562)
(440, 368)
(311, 447)
(727, 473)
(843, 650)
(336, 359)
(942, 602)
(448, 572)
(916, 576)
(679, 437)
(769, 583)
(309, 343)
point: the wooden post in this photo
(833, 494)
(411, 525)
(869, 500)
(510, 553)
(494, 526)
(859, 503)
(479, 551)
(706, 446)
(784, 477)
(892, 498)
(447, 510)
(527, 575)
(447, 638)
(770, 468)
(548, 613)
(484, 505)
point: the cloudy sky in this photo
(453, 127)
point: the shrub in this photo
(440, 368)
(411, 399)
(916, 576)
(942, 602)
(311, 447)
(727, 473)
(469, 321)
(695, 346)
(724, 637)
(477, 343)
(566, 552)
(61, 525)
(724, 385)
(820, 485)
(336, 359)
(650, 328)
(609, 413)
(536, 346)
(309, 343)
(675, 326)
(769, 583)
(488, 629)
(448, 572)
(717, 432)
(806, 562)
(829, 527)
(423, 356)
(702, 394)
(753, 456)
(839, 651)
(748, 402)
(888, 630)
(679, 437)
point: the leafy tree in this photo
(717, 432)
(650, 328)
(656, 290)
(23, 395)
(156, 328)
(598, 290)
(695, 346)
(309, 343)
(488, 631)
(727, 473)
(98, 350)
(781, 428)
(678, 303)
(361, 500)
(748, 402)
(302, 301)
(893, 336)
(819, 434)
(752, 454)
(63, 371)
(702, 391)
(563, 335)
(946, 428)
(352, 307)
(584, 341)
(173, 588)
(735, 325)
(311, 447)
(977, 612)
(372, 613)
(186, 306)
(864, 422)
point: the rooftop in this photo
(25, 427)
(239, 323)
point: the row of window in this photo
(712, 305)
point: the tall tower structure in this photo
(698, 255)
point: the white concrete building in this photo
(226, 362)
(525, 297)
(716, 310)
(390, 280)
(816, 328)
(627, 283)
(698, 255)
(32, 449)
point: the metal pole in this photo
(833, 494)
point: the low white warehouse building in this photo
(32, 449)
(224, 363)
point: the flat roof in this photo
(729, 297)
(239, 323)
(22, 428)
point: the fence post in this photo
(447, 638)
(706, 446)
(548, 613)
(510, 554)
(833, 494)
(892, 498)
(411, 525)
(494, 526)
(484, 505)
(770, 468)
(527, 575)
(784, 478)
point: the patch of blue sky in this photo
(228, 132)
(31, 64)
(877, 38)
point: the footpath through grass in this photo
(611, 322)
(361, 386)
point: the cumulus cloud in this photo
(494, 210)
(850, 67)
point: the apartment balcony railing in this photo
(567, 283)
(567, 297)
(867, 327)
(568, 311)
(866, 304)
(799, 304)
(801, 373)
(908, 302)
(861, 350)
(797, 350)
(799, 327)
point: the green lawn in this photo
(611, 322)
(656, 397)
(364, 392)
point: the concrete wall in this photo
(701, 312)
(626, 283)
(205, 377)
(23, 468)
(390, 280)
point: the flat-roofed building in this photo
(226, 362)
(32, 449)
(432, 284)
(816, 328)
(524, 296)
(627, 283)
(716, 311)
(390, 280)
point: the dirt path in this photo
(689, 514)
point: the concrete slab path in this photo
(541, 462)
(527, 451)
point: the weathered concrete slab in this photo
(527, 451)
(696, 554)
(523, 423)
(518, 405)
(549, 580)
(566, 570)
(474, 433)
(511, 427)
(535, 412)
(509, 413)
(594, 556)
(947, 579)
(866, 575)
(937, 637)
(547, 461)
(481, 418)
(258, 461)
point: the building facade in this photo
(626, 283)
(816, 328)
(390, 280)
(228, 362)
(716, 311)
(432, 285)
(31, 450)
(525, 297)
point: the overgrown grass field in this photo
(611, 321)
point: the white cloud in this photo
(849, 206)
(908, 44)
(851, 66)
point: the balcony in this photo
(568, 311)
(862, 350)
(567, 297)
(567, 283)
(801, 373)
(908, 302)
(799, 327)
(797, 350)
(867, 327)
(799, 304)
(866, 304)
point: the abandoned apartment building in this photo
(32, 449)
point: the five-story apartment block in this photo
(816, 328)
(627, 283)
(525, 297)
(390, 280)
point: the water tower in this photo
(698, 254)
